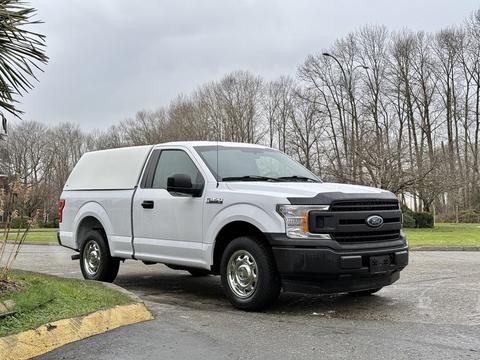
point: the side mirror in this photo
(182, 184)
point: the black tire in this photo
(107, 266)
(267, 284)
(365, 292)
(198, 272)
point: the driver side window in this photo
(172, 162)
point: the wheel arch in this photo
(86, 224)
(91, 216)
(229, 232)
(247, 218)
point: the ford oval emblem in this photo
(374, 221)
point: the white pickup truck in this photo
(246, 212)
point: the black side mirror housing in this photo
(182, 184)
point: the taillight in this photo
(61, 205)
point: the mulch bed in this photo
(10, 286)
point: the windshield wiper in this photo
(249, 178)
(297, 178)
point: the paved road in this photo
(433, 312)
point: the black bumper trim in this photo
(328, 267)
(312, 263)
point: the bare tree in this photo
(397, 110)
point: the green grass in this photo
(47, 298)
(441, 235)
(41, 235)
(445, 235)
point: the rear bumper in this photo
(65, 239)
(324, 269)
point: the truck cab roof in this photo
(210, 143)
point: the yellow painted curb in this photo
(46, 338)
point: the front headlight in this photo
(296, 220)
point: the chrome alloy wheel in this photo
(91, 257)
(242, 274)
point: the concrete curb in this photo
(29, 242)
(48, 337)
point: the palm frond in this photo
(22, 51)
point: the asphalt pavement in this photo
(432, 312)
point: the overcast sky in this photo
(111, 58)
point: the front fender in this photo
(255, 215)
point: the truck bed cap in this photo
(108, 169)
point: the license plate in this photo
(379, 264)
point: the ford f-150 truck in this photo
(245, 212)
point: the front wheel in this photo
(95, 260)
(248, 273)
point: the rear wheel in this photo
(248, 273)
(95, 260)
(365, 292)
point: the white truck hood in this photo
(299, 189)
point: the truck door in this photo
(167, 227)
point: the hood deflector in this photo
(329, 197)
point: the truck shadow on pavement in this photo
(205, 293)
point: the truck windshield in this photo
(253, 164)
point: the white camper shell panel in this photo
(112, 169)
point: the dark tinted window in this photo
(173, 162)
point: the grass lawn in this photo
(441, 235)
(43, 235)
(45, 298)
(445, 235)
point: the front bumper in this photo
(332, 268)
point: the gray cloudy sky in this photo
(111, 58)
